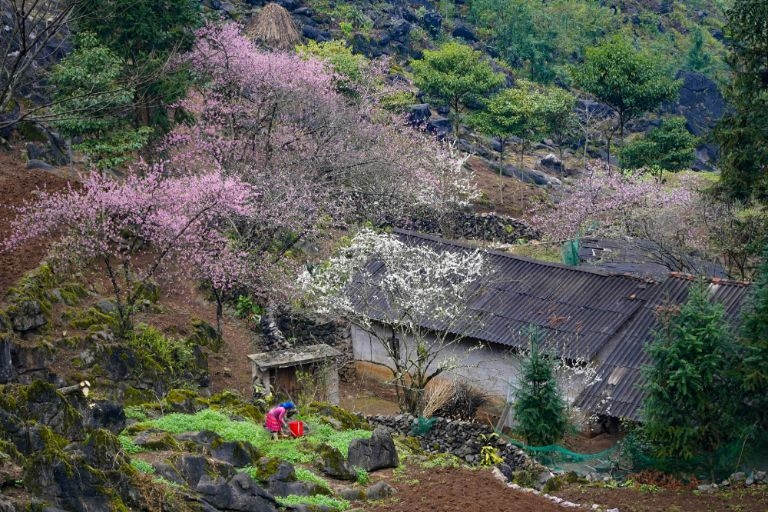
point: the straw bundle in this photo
(274, 27)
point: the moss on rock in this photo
(347, 420)
(90, 319)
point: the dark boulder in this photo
(7, 370)
(418, 114)
(333, 463)
(379, 491)
(106, 415)
(192, 468)
(463, 31)
(552, 163)
(378, 452)
(283, 482)
(531, 176)
(440, 126)
(237, 453)
(27, 315)
(432, 21)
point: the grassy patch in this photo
(308, 476)
(135, 413)
(318, 500)
(442, 460)
(363, 477)
(300, 450)
(142, 466)
(128, 445)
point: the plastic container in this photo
(297, 428)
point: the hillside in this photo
(328, 256)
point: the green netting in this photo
(570, 252)
(748, 453)
(560, 458)
(422, 426)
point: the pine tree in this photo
(539, 406)
(754, 332)
(689, 407)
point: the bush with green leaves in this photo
(540, 410)
(455, 74)
(690, 406)
(351, 70)
(670, 146)
(94, 102)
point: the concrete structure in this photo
(275, 372)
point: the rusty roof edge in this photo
(711, 280)
(466, 245)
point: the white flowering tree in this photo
(410, 298)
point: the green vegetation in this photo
(753, 367)
(317, 501)
(351, 69)
(160, 355)
(743, 134)
(630, 81)
(669, 146)
(308, 476)
(455, 74)
(690, 406)
(539, 407)
(300, 450)
(128, 446)
(142, 466)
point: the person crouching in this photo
(274, 421)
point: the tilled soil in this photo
(637, 500)
(459, 490)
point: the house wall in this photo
(491, 367)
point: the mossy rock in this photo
(184, 401)
(157, 441)
(147, 291)
(102, 448)
(333, 463)
(29, 305)
(412, 444)
(236, 405)
(266, 467)
(553, 484)
(347, 420)
(205, 335)
(90, 319)
(69, 293)
(133, 396)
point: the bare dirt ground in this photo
(17, 185)
(459, 490)
(638, 500)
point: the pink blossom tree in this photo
(632, 205)
(178, 224)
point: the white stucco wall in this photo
(492, 368)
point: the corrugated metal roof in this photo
(619, 390)
(577, 310)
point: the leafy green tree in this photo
(145, 34)
(743, 134)
(539, 407)
(631, 82)
(754, 334)
(670, 146)
(689, 407)
(556, 111)
(94, 103)
(455, 73)
(518, 34)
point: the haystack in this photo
(274, 27)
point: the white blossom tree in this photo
(410, 298)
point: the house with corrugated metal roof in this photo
(585, 315)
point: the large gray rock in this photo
(531, 176)
(378, 452)
(552, 163)
(237, 453)
(240, 493)
(27, 316)
(333, 463)
(7, 371)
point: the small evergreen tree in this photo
(689, 407)
(754, 332)
(539, 407)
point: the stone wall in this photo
(488, 227)
(463, 439)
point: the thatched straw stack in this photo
(274, 27)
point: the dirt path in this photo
(460, 490)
